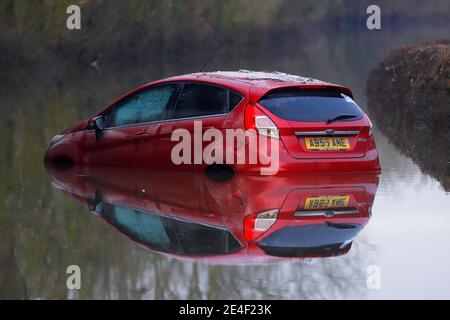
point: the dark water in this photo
(44, 230)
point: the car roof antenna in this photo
(211, 56)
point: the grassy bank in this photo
(409, 97)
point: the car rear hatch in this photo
(318, 123)
(323, 221)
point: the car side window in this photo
(200, 100)
(234, 99)
(144, 106)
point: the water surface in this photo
(43, 230)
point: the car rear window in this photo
(311, 105)
(307, 239)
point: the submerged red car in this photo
(317, 125)
(245, 220)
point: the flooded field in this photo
(50, 220)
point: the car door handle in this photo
(141, 136)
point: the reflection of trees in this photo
(45, 240)
(165, 278)
(328, 278)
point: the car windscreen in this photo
(311, 105)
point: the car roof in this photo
(252, 77)
(254, 83)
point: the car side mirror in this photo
(98, 124)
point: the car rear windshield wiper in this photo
(342, 117)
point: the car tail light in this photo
(259, 121)
(256, 224)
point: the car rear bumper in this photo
(369, 163)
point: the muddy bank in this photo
(409, 99)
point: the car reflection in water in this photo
(246, 219)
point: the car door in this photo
(205, 104)
(131, 127)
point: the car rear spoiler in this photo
(257, 93)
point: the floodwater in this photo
(51, 220)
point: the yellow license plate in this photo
(326, 202)
(327, 143)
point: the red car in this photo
(246, 219)
(316, 125)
